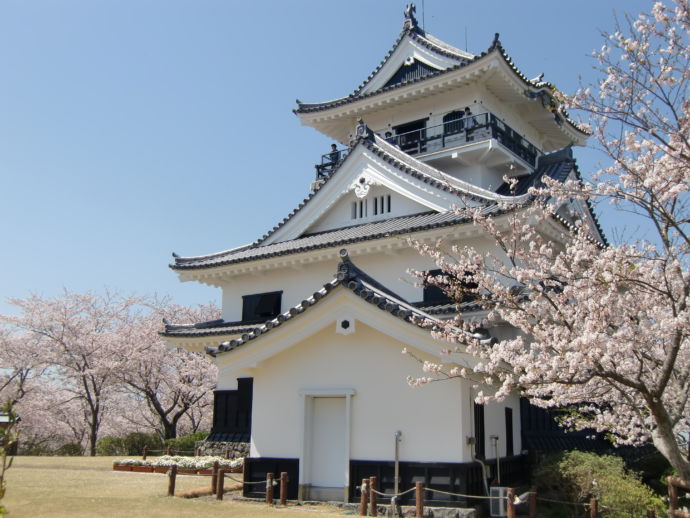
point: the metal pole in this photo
(396, 475)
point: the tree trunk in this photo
(664, 440)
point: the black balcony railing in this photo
(329, 161)
(460, 131)
(451, 133)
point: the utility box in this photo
(498, 503)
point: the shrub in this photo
(109, 446)
(578, 476)
(186, 442)
(70, 449)
(134, 443)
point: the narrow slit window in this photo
(389, 203)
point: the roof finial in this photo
(496, 43)
(410, 20)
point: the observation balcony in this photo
(477, 139)
(481, 139)
(329, 161)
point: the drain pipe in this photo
(485, 476)
(494, 438)
(396, 479)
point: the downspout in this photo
(494, 438)
(396, 475)
(472, 441)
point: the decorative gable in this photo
(410, 70)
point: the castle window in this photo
(382, 204)
(435, 295)
(453, 123)
(412, 136)
(360, 209)
(479, 442)
(261, 306)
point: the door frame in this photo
(307, 396)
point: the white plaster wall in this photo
(390, 269)
(431, 418)
(494, 424)
(434, 107)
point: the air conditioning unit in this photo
(498, 504)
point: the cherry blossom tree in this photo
(81, 335)
(602, 328)
(175, 385)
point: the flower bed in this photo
(185, 465)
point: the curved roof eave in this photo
(533, 86)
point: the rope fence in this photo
(369, 495)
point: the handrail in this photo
(463, 130)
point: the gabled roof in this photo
(536, 89)
(556, 165)
(352, 278)
(457, 191)
(400, 226)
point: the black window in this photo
(479, 443)
(412, 136)
(261, 306)
(434, 294)
(509, 432)
(453, 123)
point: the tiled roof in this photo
(349, 277)
(395, 226)
(496, 46)
(382, 229)
(558, 166)
(211, 328)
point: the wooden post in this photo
(172, 474)
(283, 488)
(197, 452)
(533, 502)
(510, 503)
(373, 510)
(363, 500)
(269, 488)
(220, 484)
(227, 453)
(593, 508)
(167, 450)
(214, 476)
(143, 453)
(419, 489)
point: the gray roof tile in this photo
(350, 277)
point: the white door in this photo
(327, 452)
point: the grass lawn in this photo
(75, 487)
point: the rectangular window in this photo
(479, 442)
(389, 203)
(412, 136)
(434, 294)
(509, 432)
(261, 306)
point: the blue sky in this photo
(132, 129)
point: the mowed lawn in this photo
(76, 487)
